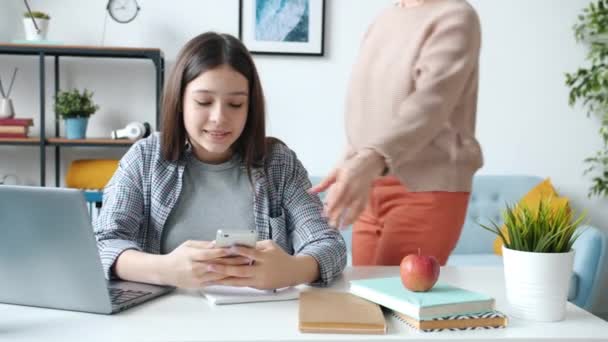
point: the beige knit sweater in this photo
(413, 94)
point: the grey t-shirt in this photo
(213, 196)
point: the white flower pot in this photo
(537, 284)
(30, 29)
(7, 110)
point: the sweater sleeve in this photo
(447, 60)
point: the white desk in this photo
(185, 316)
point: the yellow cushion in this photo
(531, 200)
(90, 173)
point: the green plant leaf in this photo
(72, 104)
(589, 86)
(547, 229)
(37, 15)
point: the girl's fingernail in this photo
(211, 268)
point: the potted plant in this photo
(37, 30)
(75, 108)
(538, 257)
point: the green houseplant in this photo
(538, 257)
(75, 108)
(36, 25)
(589, 86)
(37, 15)
(546, 229)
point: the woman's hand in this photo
(349, 185)
(187, 265)
(271, 268)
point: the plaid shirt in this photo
(145, 188)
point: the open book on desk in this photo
(219, 294)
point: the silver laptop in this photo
(49, 256)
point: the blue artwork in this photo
(282, 20)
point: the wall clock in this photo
(123, 11)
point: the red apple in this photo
(419, 272)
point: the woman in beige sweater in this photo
(410, 124)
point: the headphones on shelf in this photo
(133, 131)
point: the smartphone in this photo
(225, 238)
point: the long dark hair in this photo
(205, 52)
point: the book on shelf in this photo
(324, 311)
(17, 122)
(14, 129)
(486, 320)
(13, 135)
(442, 300)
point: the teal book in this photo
(442, 300)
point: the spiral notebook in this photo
(488, 320)
(219, 294)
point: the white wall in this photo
(525, 125)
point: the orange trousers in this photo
(397, 222)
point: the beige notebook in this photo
(324, 311)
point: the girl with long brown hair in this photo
(212, 167)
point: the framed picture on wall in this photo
(282, 27)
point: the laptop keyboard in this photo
(120, 296)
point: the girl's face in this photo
(215, 112)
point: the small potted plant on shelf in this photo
(538, 257)
(75, 108)
(36, 25)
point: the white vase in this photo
(7, 110)
(30, 29)
(537, 284)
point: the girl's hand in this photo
(271, 268)
(187, 265)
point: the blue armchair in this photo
(488, 198)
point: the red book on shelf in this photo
(17, 122)
(14, 129)
(12, 135)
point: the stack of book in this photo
(15, 127)
(444, 307)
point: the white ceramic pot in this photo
(537, 283)
(7, 110)
(30, 29)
